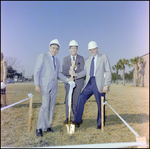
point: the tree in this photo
(11, 72)
(124, 62)
(135, 61)
(129, 75)
(116, 67)
(13, 62)
(115, 76)
(18, 74)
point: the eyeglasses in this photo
(55, 48)
(73, 48)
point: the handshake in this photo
(72, 72)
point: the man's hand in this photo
(4, 81)
(73, 64)
(71, 79)
(38, 88)
(105, 89)
(72, 68)
(72, 73)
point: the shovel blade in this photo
(70, 128)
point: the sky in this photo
(120, 29)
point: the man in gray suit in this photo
(46, 71)
(98, 79)
(79, 66)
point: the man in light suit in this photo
(79, 66)
(46, 71)
(98, 79)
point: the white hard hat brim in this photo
(54, 42)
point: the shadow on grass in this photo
(34, 105)
(115, 120)
(37, 105)
(110, 120)
(94, 100)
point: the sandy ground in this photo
(131, 103)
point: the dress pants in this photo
(88, 91)
(47, 109)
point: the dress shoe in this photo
(50, 130)
(66, 121)
(77, 124)
(98, 127)
(39, 132)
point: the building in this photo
(143, 72)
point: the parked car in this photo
(10, 81)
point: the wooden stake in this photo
(141, 139)
(30, 113)
(102, 113)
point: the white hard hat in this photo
(73, 43)
(55, 41)
(3, 85)
(92, 45)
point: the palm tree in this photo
(116, 67)
(124, 62)
(137, 60)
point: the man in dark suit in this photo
(79, 66)
(98, 79)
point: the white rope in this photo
(102, 145)
(135, 133)
(30, 95)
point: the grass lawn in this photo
(131, 103)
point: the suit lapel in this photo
(89, 64)
(99, 59)
(50, 61)
(77, 59)
(69, 61)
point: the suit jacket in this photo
(80, 66)
(102, 73)
(44, 74)
(3, 70)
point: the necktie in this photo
(92, 68)
(54, 62)
(74, 58)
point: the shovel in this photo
(70, 127)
